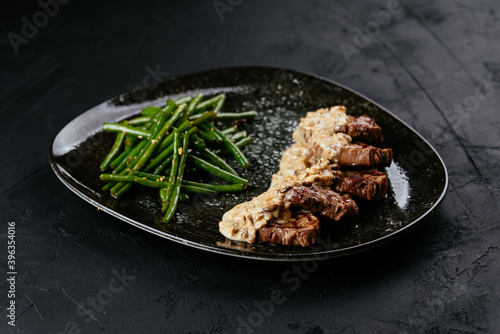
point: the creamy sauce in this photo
(318, 132)
(310, 160)
(294, 158)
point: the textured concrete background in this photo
(435, 64)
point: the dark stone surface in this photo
(430, 58)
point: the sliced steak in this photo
(368, 184)
(324, 201)
(364, 128)
(363, 155)
(301, 231)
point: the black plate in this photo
(418, 175)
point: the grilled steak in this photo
(362, 128)
(363, 155)
(368, 184)
(301, 231)
(312, 181)
(324, 201)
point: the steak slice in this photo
(363, 155)
(301, 231)
(364, 128)
(368, 184)
(324, 201)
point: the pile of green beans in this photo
(159, 148)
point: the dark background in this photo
(434, 56)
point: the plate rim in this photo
(319, 255)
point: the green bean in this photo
(163, 165)
(113, 153)
(182, 100)
(198, 190)
(131, 155)
(220, 103)
(238, 155)
(230, 130)
(108, 186)
(116, 191)
(173, 171)
(118, 187)
(149, 176)
(223, 188)
(180, 174)
(150, 111)
(220, 137)
(126, 157)
(143, 155)
(215, 159)
(116, 127)
(236, 115)
(158, 137)
(241, 143)
(153, 122)
(122, 190)
(122, 158)
(184, 154)
(206, 136)
(167, 141)
(197, 142)
(186, 125)
(121, 187)
(229, 188)
(154, 118)
(163, 195)
(116, 162)
(230, 177)
(209, 133)
(132, 178)
(195, 116)
(119, 158)
(183, 197)
(131, 140)
(190, 109)
(238, 136)
(210, 102)
(166, 152)
(205, 117)
(138, 120)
